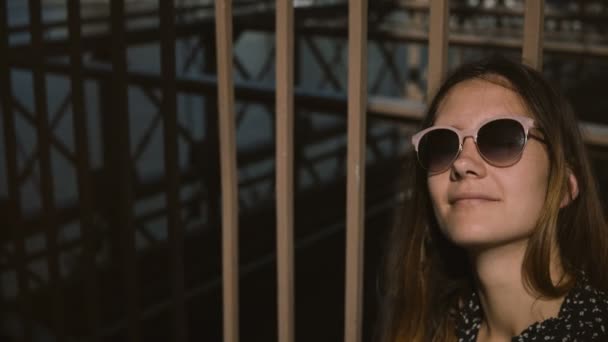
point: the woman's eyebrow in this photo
(457, 126)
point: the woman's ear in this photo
(572, 190)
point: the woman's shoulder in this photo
(583, 316)
(585, 310)
(585, 295)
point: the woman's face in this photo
(476, 204)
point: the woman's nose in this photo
(469, 162)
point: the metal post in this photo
(223, 17)
(534, 24)
(284, 168)
(171, 149)
(46, 176)
(83, 170)
(12, 171)
(355, 196)
(438, 44)
(122, 168)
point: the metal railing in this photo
(116, 79)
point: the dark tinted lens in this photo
(501, 141)
(437, 149)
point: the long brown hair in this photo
(426, 276)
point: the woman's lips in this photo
(471, 198)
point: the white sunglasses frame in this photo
(526, 123)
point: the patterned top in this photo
(583, 317)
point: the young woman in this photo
(503, 237)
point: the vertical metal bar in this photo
(46, 177)
(355, 197)
(82, 165)
(10, 146)
(223, 20)
(211, 152)
(169, 110)
(438, 44)
(298, 113)
(122, 167)
(413, 88)
(284, 173)
(534, 25)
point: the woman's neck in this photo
(508, 306)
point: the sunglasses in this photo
(500, 142)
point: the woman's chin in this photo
(478, 241)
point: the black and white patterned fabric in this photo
(583, 317)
